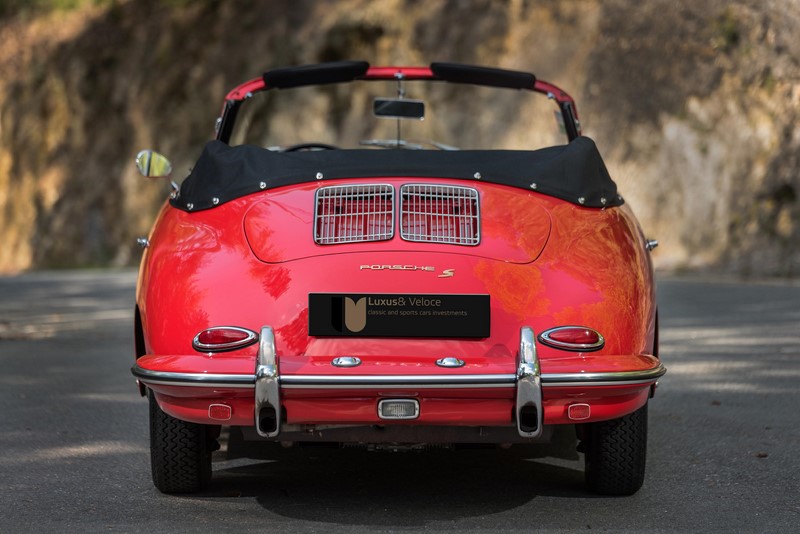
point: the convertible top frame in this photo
(348, 71)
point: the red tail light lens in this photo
(223, 338)
(575, 338)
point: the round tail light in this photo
(575, 338)
(223, 338)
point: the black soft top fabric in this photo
(574, 172)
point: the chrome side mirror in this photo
(152, 164)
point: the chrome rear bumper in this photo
(528, 383)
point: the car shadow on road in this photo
(350, 486)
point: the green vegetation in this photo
(13, 7)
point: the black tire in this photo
(616, 453)
(180, 455)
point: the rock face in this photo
(695, 106)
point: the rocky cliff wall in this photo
(695, 106)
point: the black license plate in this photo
(398, 315)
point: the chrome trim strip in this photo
(499, 380)
(312, 381)
(401, 385)
(205, 380)
(597, 383)
(621, 378)
(529, 385)
(267, 382)
(617, 377)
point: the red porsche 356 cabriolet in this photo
(325, 277)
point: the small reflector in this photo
(219, 412)
(398, 409)
(579, 412)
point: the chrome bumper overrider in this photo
(529, 387)
(267, 383)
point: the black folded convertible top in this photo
(574, 172)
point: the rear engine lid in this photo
(307, 220)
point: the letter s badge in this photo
(447, 273)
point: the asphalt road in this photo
(723, 451)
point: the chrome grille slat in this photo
(439, 214)
(353, 213)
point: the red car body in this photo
(253, 267)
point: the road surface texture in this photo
(723, 451)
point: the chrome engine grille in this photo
(439, 214)
(353, 213)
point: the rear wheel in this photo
(616, 454)
(180, 455)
